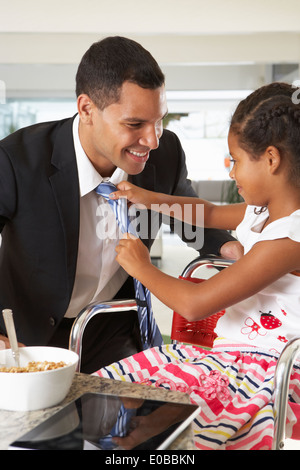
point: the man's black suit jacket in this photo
(39, 220)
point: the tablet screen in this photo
(95, 420)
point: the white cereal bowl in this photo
(30, 391)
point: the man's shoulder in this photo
(34, 133)
(169, 144)
(169, 136)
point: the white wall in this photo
(191, 39)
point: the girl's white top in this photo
(272, 317)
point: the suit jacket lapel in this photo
(65, 185)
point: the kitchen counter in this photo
(13, 424)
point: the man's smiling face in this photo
(123, 134)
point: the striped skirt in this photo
(233, 387)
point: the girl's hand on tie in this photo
(132, 255)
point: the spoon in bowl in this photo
(11, 333)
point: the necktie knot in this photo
(105, 188)
(119, 206)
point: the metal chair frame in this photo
(285, 361)
(81, 321)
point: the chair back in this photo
(200, 332)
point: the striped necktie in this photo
(150, 333)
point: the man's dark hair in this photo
(108, 63)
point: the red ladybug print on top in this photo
(269, 322)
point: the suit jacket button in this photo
(52, 321)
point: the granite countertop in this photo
(13, 424)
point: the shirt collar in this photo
(89, 178)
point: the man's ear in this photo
(84, 106)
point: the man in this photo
(54, 259)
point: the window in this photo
(18, 113)
(201, 121)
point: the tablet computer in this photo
(94, 421)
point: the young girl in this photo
(233, 383)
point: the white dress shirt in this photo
(98, 275)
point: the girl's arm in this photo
(266, 262)
(226, 217)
